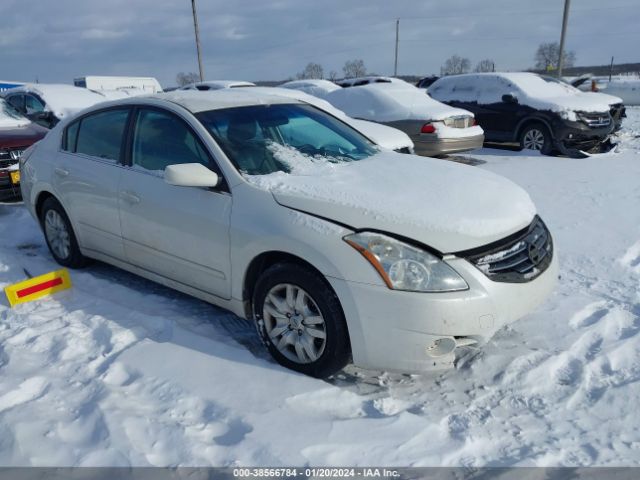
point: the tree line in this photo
(545, 58)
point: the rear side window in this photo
(100, 134)
(71, 137)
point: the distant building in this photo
(5, 84)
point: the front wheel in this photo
(536, 137)
(300, 320)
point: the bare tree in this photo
(455, 65)
(183, 78)
(548, 54)
(354, 68)
(333, 75)
(486, 65)
(312, 70)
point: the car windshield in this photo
(262, 139)
(8, 111)
(549, 79)
(537, 86)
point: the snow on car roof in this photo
(317, 88)
(389, 102)
(61, 99)
(358, 81)
(201, 101)
(217, 84)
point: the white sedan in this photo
(286, 215)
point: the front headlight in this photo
(405, 267)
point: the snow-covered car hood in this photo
(445, 205)
(605, 97)
(578, 102)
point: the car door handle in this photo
(61, 171)
(130, 197)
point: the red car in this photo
(17, 133)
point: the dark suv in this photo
(16, 134)
(539, 114)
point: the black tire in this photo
(337, 349)
(74, 259)
(536, 130)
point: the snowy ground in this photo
(120, 371)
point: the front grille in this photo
(518, 258)
(596, 120)
(7, 163)
(10, 156)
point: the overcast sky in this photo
(57, 40)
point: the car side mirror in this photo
(190, 175)
(509, 98)
(45, 116)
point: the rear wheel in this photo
(59, 235)
(300, 320)
(536, 136)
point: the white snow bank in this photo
(529, 88)
(628, 89)
(9, 118)
(389, 102)
(422, 198)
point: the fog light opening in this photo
(440, 347)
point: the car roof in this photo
(199, 101)
(216, 84)
(352, 82)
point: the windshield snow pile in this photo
(9, 118)
(390, 102)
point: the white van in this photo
(92, 82)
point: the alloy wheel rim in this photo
(533, 139)
(57, 234)
(294, 323)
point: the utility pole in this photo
(565, 19)
(611, 69)
(395, 64)
(195, 26)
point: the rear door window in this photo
(100, 134)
